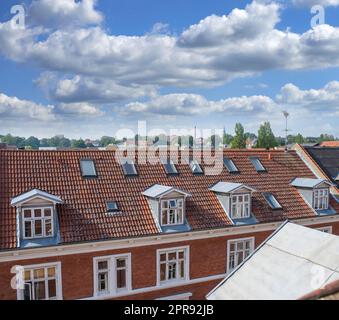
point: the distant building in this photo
(8, 146)
(330, 144)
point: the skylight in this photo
(230, 165)
(129, 168)
(88, 168)
(272, 201)
(195, 167)
(112, 206)
(169, 166)
(257, 164)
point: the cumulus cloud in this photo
(90, 89)
(14, 108)
(193, 104)
(64, 13)
(311, 3)
(325, 99)
(80, 108)
(210, 53)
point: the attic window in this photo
(129, 168)
(257, 164)
(88, 168)
(195, 167)
(272, 201)
(230, 165)
(169, 166)
(112, 206)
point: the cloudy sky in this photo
(89, 68)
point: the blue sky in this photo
(90, 68)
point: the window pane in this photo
(163, 272)
(51, 272)
(39, 273)
(121, 263)
(39, 290)
(37, 213)
(27, 213)
(27, 275)
(28, 229)
(87, 168)
(182, 269)
(172, 256)
(28, 291)
(48, 227)
(102, 281)
(102, 265)
(47, 212)
(52, 288)
(164, 217)
(38, 227)
(121, 278)
(163, 257)
(172, 270)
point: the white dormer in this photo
(36, 215)
(235, 198)
(167, 204)
(314, 191)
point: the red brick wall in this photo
(207, 258)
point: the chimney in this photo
(269, 156)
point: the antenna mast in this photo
(286, 115)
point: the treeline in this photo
(241, 139)
(57, 142)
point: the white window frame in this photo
(325, 195)
(326, 229)
(176, 212)
(33, 219)
(112, 274)
(240, 205)
(58, 278)
(186, 250)
(229, 242)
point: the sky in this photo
(91, 68)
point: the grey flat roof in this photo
(307, 182)
(291, 263)
(227, 187)
(158, 190)
(32, 194)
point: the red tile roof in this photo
(83, 215)
(332, 144)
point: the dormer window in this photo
(240, 206)
(314, 191)
(168, 207)
(172, 212)
(320, 199)
(37, 218)
(235, 198)
(37, 223)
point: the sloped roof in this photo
(327, 158)
(32, 194)
(307, 182)
(158, 190)
(227, 187)
(286, 266)
(83, 215)
(330, 144)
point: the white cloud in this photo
(311, 3)
(216, 50)
(325, 99)
(64, 13)
(14, 108)
(80, 108)
(193, 104)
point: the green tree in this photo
(227, 139)
(266, 138)
(299, 138)
(239, 140)
(32, 142)
(78, 143)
